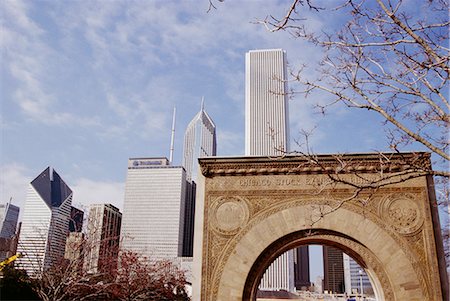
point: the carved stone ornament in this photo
(228, 215)
(402, 212)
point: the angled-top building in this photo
(45, 222)
(199, 141)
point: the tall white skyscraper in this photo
(153, 213)
(266, 103)
(45, 222)
(199, 141)
(267, 134)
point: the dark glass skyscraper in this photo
(9, 215)
(333, 266)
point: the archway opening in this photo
(340, 260)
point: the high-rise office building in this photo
(103, 236)
(355, 277)
(267, 134)
(199, 141)
(76, 220)
(266, 103)
(9, 215)
(333, 267)
(153, 213)
(45, 222)
(301, 268)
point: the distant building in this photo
(9, 215)
(301, 268)
(154, 208)
(199, 141)
(76, 220)
(8, 246)
(74, 247)
(354, 274)
(103, 236)
(333, 266)
(267, 134)
(318, 285)
(45, 222)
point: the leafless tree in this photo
(384, 59)
(95, 269)
(135, 278)
(141, 279)
(390, 57)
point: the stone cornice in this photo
(315, 164)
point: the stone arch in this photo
(249, 209)
(383, 256)
(322, 237)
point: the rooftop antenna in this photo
(172, 137)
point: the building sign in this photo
(146, 163)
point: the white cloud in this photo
(14, 180)
(30, 60)
(88, 191)
(230, 142)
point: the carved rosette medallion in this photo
(403, 213)
(228, 215)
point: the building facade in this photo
(103, 237)
(355, 277)
(9, 215)
(301, 268)
(333, 267)
(76, 220)
(154, 208)
(45, 222)
(199, 141)
(75, 247)
(266, 103)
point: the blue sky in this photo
(87, 84)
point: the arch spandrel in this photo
(245, 214)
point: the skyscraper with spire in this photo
(45, 222)
(199, 141)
